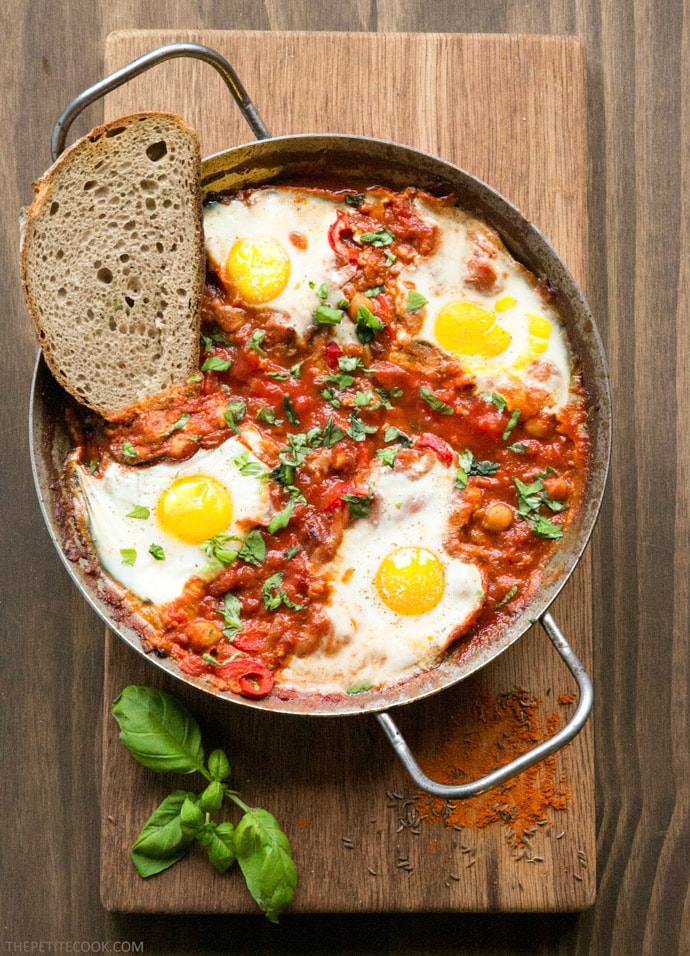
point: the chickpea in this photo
(537, 427)
(497, 517)
(556, 488)
(202, 635)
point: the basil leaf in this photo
(139, 511)
(355, 199)
(218, 765)
(215, 547)
(156, 551)
(359, 506)
(282, 519)
(484, 468)
(382, 237)
(374, 291)
(495, 399)
(290, 412)
(358, 431)
(234, 413)
(415, 300)
(388, 455)
(180, 423)
(214, 363)
(263, 853)
(250, 469)
(268, 415)
(129, 556)
(211, 799)
(519, 448)
(232, 607)
(367, 325)
(273, 601)
(253, 550)
(255, 341)
(291, 552)
(434, 402)
(296, 370)
(512, 422)
(278, 376)
(394, 434)
(161, 841)
(192, 817)
(544, 528)
(158, 731)
(221, 846)
(331, 434)
(326, 315)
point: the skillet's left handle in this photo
(496, 777)
(145, 62)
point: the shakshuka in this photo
(385, 437)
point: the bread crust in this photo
(112, 261)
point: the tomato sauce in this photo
(322, 409)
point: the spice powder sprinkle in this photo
(502, 728)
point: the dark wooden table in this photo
(639, 290)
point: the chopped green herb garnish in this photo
(367, 325)
(512, 422)
(139, 511)
(296, 370)
(282, 519)
(129, 451)
(291, 552)
(358, 431)
(358, 688)
(382, 237)
(249, 468)
(180, 423)
(374, 291)
(434, 402)
(468, 466)
(415, 300)
(278, 376)
(495, 399)
(290, 412)
(232, 624)
(327, 315)
(273, 599)
(332, 433)
(129, 555)
(508, 596)
(322, 291)
(394, 434)
(354, 200)
(255, 340)
(234, 413)
(359, 506)
(388, 455)
(157, 552)
(519, 448)
(268, 415)
(214, 363)
(253, 549)
(217, 548)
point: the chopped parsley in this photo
(290, 412)
(180, 423)
(231, 615)
(381, 237)
(157, 552)
(359, 506)
(214, 363)
(141, 512)
(128, 555)
(415, 300)
(256, 340)
(388, 455)
(358, 431)
(249, 468)
(367, 325)
(253, 549)
(468, 466)
(495, 399)
(512, 422)
(434, 402)
(273, 599)
(393, 434)
(129, 451)
(234, 413)
(282, 519)
(327, 315)
(530, 499)
(268, 415)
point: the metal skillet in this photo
(352, 159)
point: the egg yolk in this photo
(538, 335)
(466, 328)
(194, 508)
(410, 581)
(258, 268)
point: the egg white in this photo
(110, 497)
(275, 214)
(370, 643)
(440, 278)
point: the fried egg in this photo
(272, 250)
(398, 595)
(508, 333)
(147, 524)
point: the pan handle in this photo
(145, 62)
(544, 749)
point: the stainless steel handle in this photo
(145, 62)
(544, 749)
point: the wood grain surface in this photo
(638, 59)
(349, 852)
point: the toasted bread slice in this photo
(112, 261)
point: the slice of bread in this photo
(112, 260)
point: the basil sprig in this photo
(162, 735)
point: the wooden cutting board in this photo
(512, 111)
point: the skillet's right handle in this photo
(537, 753)
(145, 62)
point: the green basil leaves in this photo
(162, 735)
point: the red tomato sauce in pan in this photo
(324, 408)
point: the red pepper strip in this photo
(332, 353)
(340, 235)
(335, 497)
(440, 448)
(252, 678)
